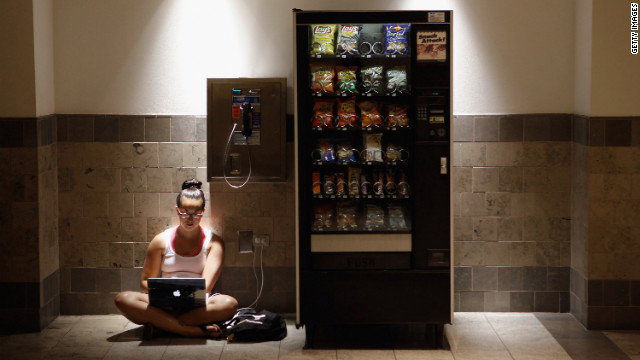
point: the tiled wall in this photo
(541, 222)
(29, 274)
(512, 186)
(118, 180)
(605, 279)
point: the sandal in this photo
(216, 333)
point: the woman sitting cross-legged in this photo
(188, 250)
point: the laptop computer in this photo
(177, 292)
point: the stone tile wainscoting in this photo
(119, 176)
(605, 206)
(546, 214)
(511, 190)
(29, 267)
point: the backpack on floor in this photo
(249, 325)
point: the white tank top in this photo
(176, 265)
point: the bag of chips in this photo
(324, 151)
(397, 115)
(372, 147)
(372, 79)
(323, 113)
(396, 218)
(397, 80)
(323, 39)
(322, 217)
(347, 113)
(346, 218)
(347, 79)
(370, 113)
(345, 152)
(374, 217)
(348, 36)
(394, 152)
(322, 78)
(396, 38)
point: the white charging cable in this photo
(259, 283)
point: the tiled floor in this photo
(493, 336)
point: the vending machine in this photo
(373, 186)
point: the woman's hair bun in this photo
(191, 183)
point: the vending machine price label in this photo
(436, 17)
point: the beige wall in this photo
(582, 71)
(17, 88)
(152, 57)
(43, 56)
(615, 75)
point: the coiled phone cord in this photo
(226, 159)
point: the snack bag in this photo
(323, 39)
(329, 184)
(390, 186)
(322, 217)
(370, 113)
(347, 113)
(372, 147)
(325, 151)
(397, 80)
(396, 38)
(365, 185)
(378, 181)
(345, 152)
(354, 181)
(341, 185)
(374, 217)
(323, 113)
(397, 115)
(394, 152)
(346, 216)
(403, 186)
(348, 36)
(347, 79)
(315, 183)
(396, 218)
(322, 78)
(372, 79)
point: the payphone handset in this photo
(245, 113)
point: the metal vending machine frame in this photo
(343, 271)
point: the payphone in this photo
(246, 130)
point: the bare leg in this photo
(135, 307)
(219, 308)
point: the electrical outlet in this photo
(261, 240)
(245, 244)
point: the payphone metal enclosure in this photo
(235, 158)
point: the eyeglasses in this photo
(186, 215)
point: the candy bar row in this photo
(358, 183)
